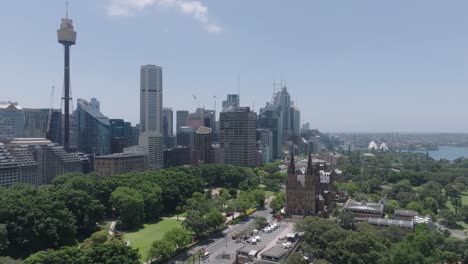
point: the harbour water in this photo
(449, 152)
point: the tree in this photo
(215, 220)
(463, 211)
(161, 251)
(346, 219)
(130, 206)
(8, 260)
(296, 258)
(431, 204)
(114, 251)
(277, 203)
(450, 218)
(34, 220)
(259, 197)
(178, 236)
(151, 194)
(195, 222)
(414, 206)
(65, 255)
(106, 253)
(87, 210)
(259, 222)
(3, 237)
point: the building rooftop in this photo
(409, 213)
(120, 155)
(275, 252)
(203, 130)
(247, 248)
(94, 112)
(364, 206)
(6, 159)
(10, 106)
(30, 141)
(389, 222)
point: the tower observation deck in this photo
(67, 37)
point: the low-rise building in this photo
(409, 225)
(36, 161)
(119, 163)
(364, 210)
(407, 215)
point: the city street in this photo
(223, 243)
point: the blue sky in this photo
(357, 65)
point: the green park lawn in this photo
(143, 238)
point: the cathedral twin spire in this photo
(292, 165)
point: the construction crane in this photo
(196, 100)
(50, 109)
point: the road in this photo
(223, 242)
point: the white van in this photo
(206, 255)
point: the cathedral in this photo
(309, 192)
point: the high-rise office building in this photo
(151, 115)
(121, 135)
(284, 102)
(204, 151)
(37, 123)
(265, 141)
(271, 118)
(54, 132)
(182, 119)
(12, 120)
(232, 102)
(93, 129)
(186, 137)
(295, 118)
(168, 114)
(210, 121)
(168, 128)
(238, 137)
(151, 98)
(152, 143)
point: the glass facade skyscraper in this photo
(93, 129)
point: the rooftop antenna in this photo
(238, 85)
(66, 9)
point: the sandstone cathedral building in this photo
(310, 191)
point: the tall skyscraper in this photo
(284, 103)
(67, 37)
(238, 137)
(232, 102)
(271, 118)
(151, 115)
(169, 117)
(182, 119)
(54, 132)
(265, 141)
(93, 129)
(151, 93)
(295, 122)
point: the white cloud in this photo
(195, 9)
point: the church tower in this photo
(300, 190)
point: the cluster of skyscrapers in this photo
(84, 139)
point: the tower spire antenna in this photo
(66, 9)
